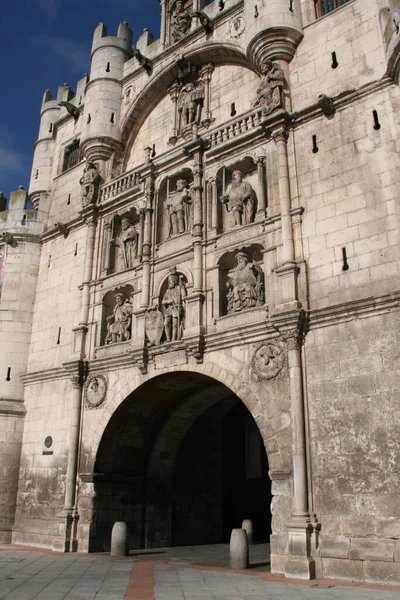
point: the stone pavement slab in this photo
(42, 575)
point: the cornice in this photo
(44, 375)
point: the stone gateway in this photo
(201, 310)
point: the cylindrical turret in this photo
(20, 231)
(273, 29)
(41, 175)
(100, 133)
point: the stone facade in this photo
(216, 229)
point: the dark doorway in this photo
(182, 462)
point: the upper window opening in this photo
(323, 7)
(72, 156)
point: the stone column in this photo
(147, 241)
(299, 562)
(214, 205)
(197, 224)
(141, 233)
(174, 95)
(280, 138)
(262, 201)
(288, 271)
(206, 73)
(163, 28)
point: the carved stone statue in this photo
(120, 322)
(240, 200)
(180, 21)
(89, 182)
(270, 91)
(179, 206)
(190, 103)
(128, 242)
(173, 303)
(245, 285)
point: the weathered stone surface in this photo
(349, 570)
(334, 547)
(239, 549)
(370, 549)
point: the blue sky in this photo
(44, 44)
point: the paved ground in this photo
(27, 574)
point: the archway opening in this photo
(183, 463)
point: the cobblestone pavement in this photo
(41, 575)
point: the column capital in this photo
(78, 372)
(280, 135)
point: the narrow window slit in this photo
(51, 128)
(76, 249)
(346, 265)
(233, 109)
(23, 222)
(69, 200)
(108, 68)
(59, 336)
(377, 125)
(112, 118)
(8, 378)
(315, 146)
(335, 63)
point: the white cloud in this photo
(75, 55)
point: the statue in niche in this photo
(173, 303)
(240, 200)
(180, 21)
(179, 208)
(190, 103)
(270, 91)
(89, 182)
(120, 322)
(245, 285)
(128, 242)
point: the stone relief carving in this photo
(240, 200)
(90, 184)
(179, 204)
(270, 92)
(245, 285)
(173, 303)
(119, 324)
(181, 21)
(128, 242)
(95, 391)
(237, 27)
(154, 323)
(269, 360)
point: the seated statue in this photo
(120, 322)
(240, 200)
(245, 285)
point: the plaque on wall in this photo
(95, 391)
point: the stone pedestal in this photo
(299, 563)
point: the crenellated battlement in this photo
(123, 39)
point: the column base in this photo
(300, 567)
(66, 540)
(299, 564)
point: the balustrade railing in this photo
(128, 181)
(235, 128)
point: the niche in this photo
(122, 241)
(241, 280)
(175, 205)
(116, 323)
(237, 194)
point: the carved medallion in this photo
(154, 323)
(269, 360)
(95, 391)
(237, 27)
